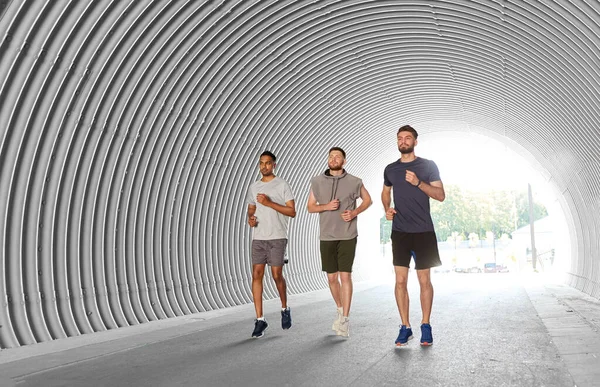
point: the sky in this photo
(480, 163)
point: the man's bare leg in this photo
(424, 277)
(346, 292)
(401, 292)
(277, 273)
(258, 272)
(334, 287)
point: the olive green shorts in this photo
(338, 255)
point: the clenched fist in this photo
(252, 221)
(333, 205)
(263, 199)
(389, 214)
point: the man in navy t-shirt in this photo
(413, 181)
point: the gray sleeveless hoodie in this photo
(344, 187)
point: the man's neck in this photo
(268, 178)
(336, 173)
(407, 157)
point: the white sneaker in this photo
(344, 329)
(338, 319)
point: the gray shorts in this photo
(270, 251)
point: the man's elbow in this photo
(442, 197)
(293, 214)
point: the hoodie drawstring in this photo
(334, 189)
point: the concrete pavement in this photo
(489, 330)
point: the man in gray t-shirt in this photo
(333, 196)
(270, 205)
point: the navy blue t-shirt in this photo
(412, 205)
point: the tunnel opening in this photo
(481, 165)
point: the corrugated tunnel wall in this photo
(130, 131)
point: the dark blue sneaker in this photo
(260, 326)
(286, 318)
(404, 335)
(426, 336)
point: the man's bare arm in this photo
(288, 210)
(366, 202)
(386, 197)
(313, 206)
(251, 218)
(386, 200)
(434, 190)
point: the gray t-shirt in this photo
(271, 224)
(345, 188)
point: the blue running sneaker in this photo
(426, 336)
(260, 326)
(404, 335)
(286, 318)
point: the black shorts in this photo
(421, 246)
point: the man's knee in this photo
(258, 272)
(424, 278)
(332, 278)
(401, 281)
(345, 277)
(425, 283)
(426, 286)
(277, 276)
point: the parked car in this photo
(441, 269)
(473, 269)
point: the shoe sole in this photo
(398, 345)
(261, 335)
(426, 344)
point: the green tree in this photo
(522, 209)
(466, 212)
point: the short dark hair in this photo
(408, 128)
(335, 148)
(271, 155)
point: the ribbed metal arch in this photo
(131, 130)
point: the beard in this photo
(266, 172)
(335, 167)
(406, 150)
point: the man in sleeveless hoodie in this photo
(333, 196)
(270, 205)
(413, 180)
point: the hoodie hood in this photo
(329, 175)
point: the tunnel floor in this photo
(489, 330)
